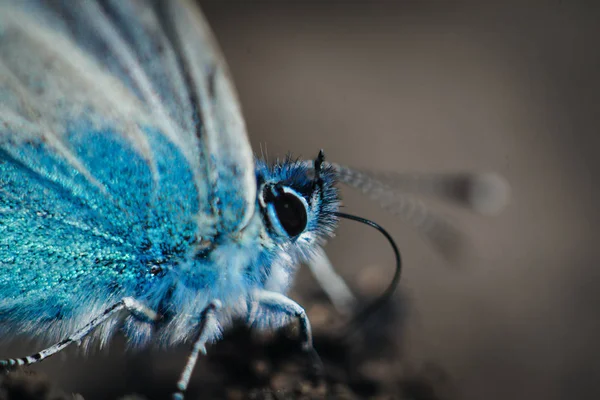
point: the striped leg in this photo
(206, 331)
(279, 304)
(133, 306)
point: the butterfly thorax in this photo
(294, 215)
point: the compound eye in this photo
(291, 212)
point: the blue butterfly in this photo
(129, 195)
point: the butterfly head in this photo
(297, 201)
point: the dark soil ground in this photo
(245, 365)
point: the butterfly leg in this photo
(136, 309)
(281, 308)
(205, 333)
(332, 284)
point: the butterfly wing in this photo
(120, 136)
(226, 141)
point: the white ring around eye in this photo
(261, 198)
(289, 190)
(286, 189)
(271, 212)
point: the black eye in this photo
(291, 213)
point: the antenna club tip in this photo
(489, 194)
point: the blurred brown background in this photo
(441, 86)
(430, 87)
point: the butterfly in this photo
(129, 195)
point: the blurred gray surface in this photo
(433, 87)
